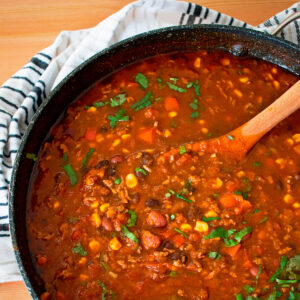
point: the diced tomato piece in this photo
(232, 251)
(171, 104)
(178, 240)
(147, 135)
(90, 134)
(230, 200)
(246, 260)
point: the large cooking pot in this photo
(238, 41)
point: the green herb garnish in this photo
(65, 157)
(104, 289)
(118, 181)
(263, 220)
(118, 118)
(140, 170)
(239, 297)
(214, 255)
(172, 274)
(159, 80)
(283, 263)
(182, 149)
(194, 105)
(216, 195)
(209, 219)
(132, 220)
(250, 289)
(176, 88)
(71, 173)
(144, 102)
(142, 80)
(31, 156)
(230, 137)
(86, 158)
(181, 232)
(241, 193)
(194, 114)
(129, 234)
(117, 100)
(73, 220)
(183, 198)
(256, 164)
(79, 250)
(100, 103)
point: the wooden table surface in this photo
(28, 26)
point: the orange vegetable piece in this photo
(230, 200)
(147, 135)
(171, 104)
(178, 240)
(90, 134)
(232, 251)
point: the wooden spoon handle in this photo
(285, 105)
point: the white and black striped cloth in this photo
(21, 95)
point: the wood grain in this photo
(27, 26)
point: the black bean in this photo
(135, 198)
(152, 202)
(178, 256)
(102, 163)
(111, 171)
(147, 159)
(167, 244)
(193, 212)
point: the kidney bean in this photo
(156, 219)
(117, 159)
(147, 159)
(150, 240)
(102, 163)
(107, 224)
(152, 202)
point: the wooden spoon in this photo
(239, 141)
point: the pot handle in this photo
(284, 23)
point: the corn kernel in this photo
(56, 204)
(185, 227)
(131, 180)
(296, 205)
(244, 79)
(197, 63)
(104, 207)
(83, 277)
(201, 122)
(204, 130)
(211, 213)
(113, 275)
(276, 84)
(297, 149)
(218, 183)
(241, 174)
(94, 204)
(167, 133)
(289, 142)
(125, 151)
(92, 109)
(274, 70)
(288, 198)
(296, 138)
(225, 62)
(125, 136)
(95, 220)
(201, 226)
(99, 138)
(238, 93)
(116, 142)
(281, 162)
(172, 114)
(82, 261)
(114, 244)
(94, 246)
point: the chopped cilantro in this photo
(100, 103)
(259, 272)
(181, 232)
(241, 193)
(132, 220)
(118, 118)
(104, 289)
(209, 219)
(129, 234)
(194, 104)
(256, 164)
(173, 124)
(214, 255)
(176, 88)
(172, 274)
(144, 102)
(31, 156)
(71, 173)
(117, 100)
(142, 80)
(182, 149)
(73, 220)
(118, 181)
(183, 198)
(65, 157)
(168, 195)
(79, 250)
(239, 297)
(159, 80)
(283, 263)
(249, 289)
(230, 137)
(216, 195)
(189, 85)
(256, 211)
(263, 220)
(172, 192)
(86, 158)
(141, 170)
(194, 114)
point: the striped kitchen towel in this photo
(22, 94)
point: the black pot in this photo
(238, 41)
